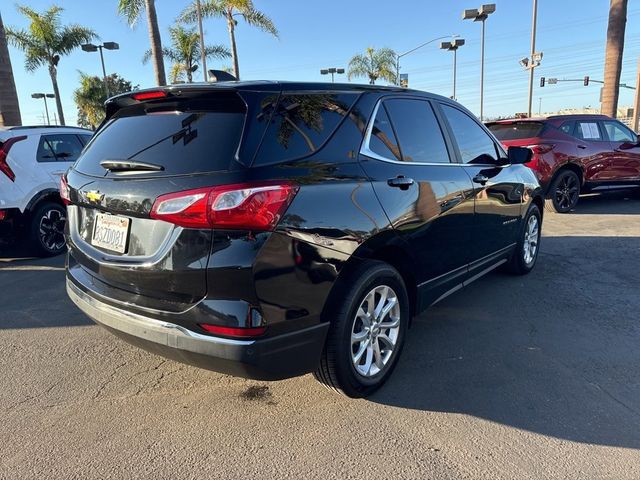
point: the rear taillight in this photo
(4, 153)
(3, 215)
(234, 331)
(538, 150)
(246, 206)
(64, 190)
(541, 149)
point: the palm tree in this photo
(46, 41)
(9, 106)
(613, 56)
(131, 9)
(91, 96)
(374, 64)
(185, 52)
(229, 10)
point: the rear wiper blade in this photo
(129, 165)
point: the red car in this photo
(574, 154)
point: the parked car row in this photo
(269, 229)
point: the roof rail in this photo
(31, 127)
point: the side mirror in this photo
(519, 155)
(627, 146)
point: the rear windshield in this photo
(516, 130)
(183, 142)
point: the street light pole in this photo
(533, 50)
(480, 15)
(44, 96)
(398, 57)
(453, 47)
(332, 71)
(90, 47)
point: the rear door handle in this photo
(583, 147)
(400, 182)
(481, 179)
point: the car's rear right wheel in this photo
(564, 192)
(368, 324)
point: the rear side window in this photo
(300, 124)
(418, 131)
(383, 140)
(59, 148)
(516, 130)
(618, 133)
(567, 127)
(588, 131)
(84, 138)
(475, 145)
(183, 142)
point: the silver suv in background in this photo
(32, 160)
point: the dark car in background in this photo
(269, 230)
(573, 154)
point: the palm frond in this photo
(217, 51)
(131, 9)
(71, 37)
(208, 8)
(258, 19)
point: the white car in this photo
(32, 160)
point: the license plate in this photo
(110, 232)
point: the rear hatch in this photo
(152, 144)
(517, 133)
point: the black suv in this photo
(269, 229)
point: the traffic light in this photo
(586, 81)
(542, 80)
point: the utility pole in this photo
(533, 51)
(203, 54)
(636, 103)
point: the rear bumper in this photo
(274, 358)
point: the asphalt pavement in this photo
(512, 377)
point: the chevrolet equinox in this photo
(271, 229)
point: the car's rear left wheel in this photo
(368, 324)
(564, 192)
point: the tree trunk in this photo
(231, 24)
(613, 56)
(9, 106)
(156, 43)
(54, 80)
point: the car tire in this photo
(47, 229)
(525, 255)
(360, 354)
(564, 192)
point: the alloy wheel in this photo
(531, 238)
(375, 331)
(567, 191)
(51, 230)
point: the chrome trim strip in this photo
(365, 150)
(156, 331)
(468, 281)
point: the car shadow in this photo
(606, 202)
(32, 292)
(554, 353)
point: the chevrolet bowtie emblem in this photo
(94, 196)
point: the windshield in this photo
(180, 142)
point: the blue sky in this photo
(322, 33)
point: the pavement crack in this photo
(33, 397)
(614, 398)
(108, 381)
